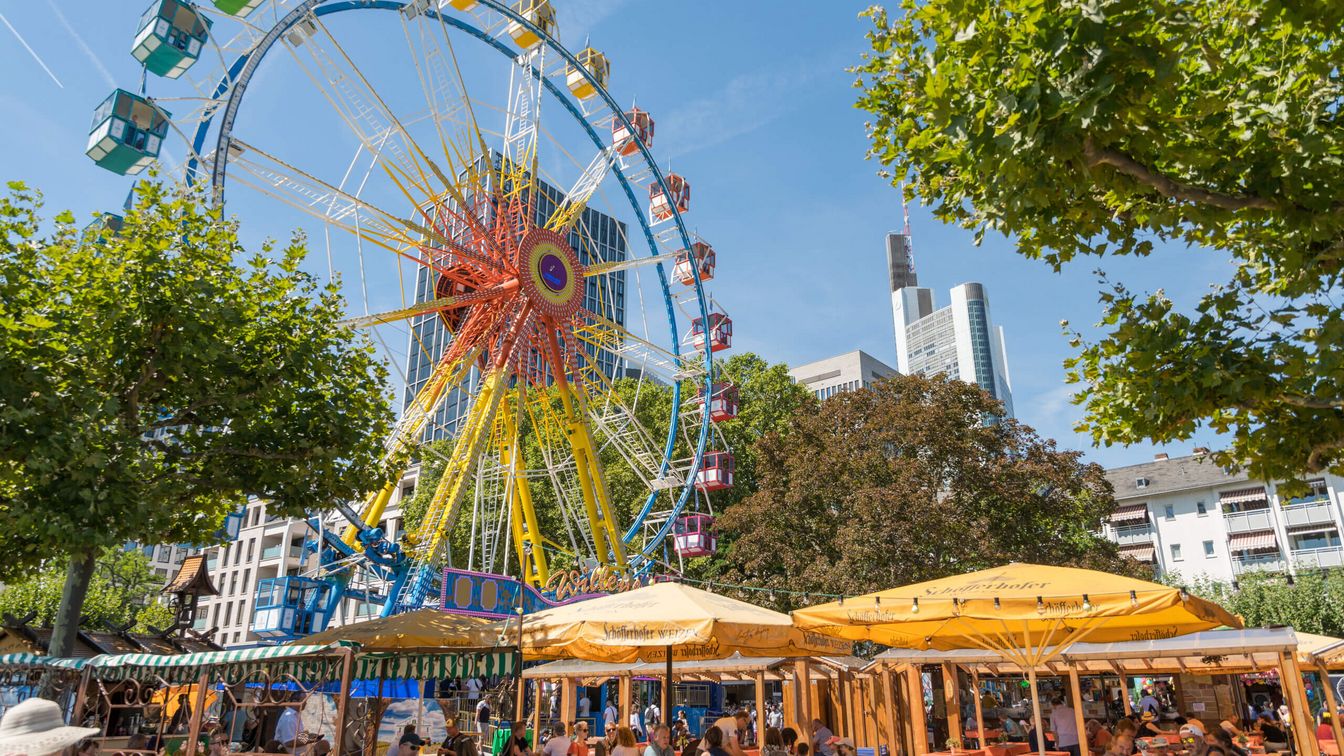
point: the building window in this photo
(1175, 552)
(1208, 548)
(1170, 512)
(1202, 510)
(1141, 483)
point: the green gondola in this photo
(127, 133)
(239, 8)
(172, 34)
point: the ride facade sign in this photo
(486, 595)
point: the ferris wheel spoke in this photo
(601, 332)
(522, 121)
(366, 113)
(442, 304)
(597, 269)
(571, 208)
(528, 539)
(444, 87)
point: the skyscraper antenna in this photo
(905, 212)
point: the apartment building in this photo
(844, 372)
(1187, 515)
(268, 546)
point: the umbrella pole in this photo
(1036, 710)
(667, 690)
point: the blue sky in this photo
(753, 105)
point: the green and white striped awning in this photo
(433, 666)
(301, 661)
(11, 661)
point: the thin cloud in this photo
(579, 17)
(31, 51)
(84, 46)
(746, 103)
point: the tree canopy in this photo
(123, 591)
(1312, 603)
(1102, 127)
(905, 482)
(154, 378)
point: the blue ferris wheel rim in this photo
(235, 82)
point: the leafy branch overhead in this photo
(1105, 126)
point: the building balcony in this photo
(1330, 556)
(1134, 534)
(1271, 562)
(1248, 521)
(1308, 513)
(278, 550)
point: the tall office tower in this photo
(959, 340)
(597, 237)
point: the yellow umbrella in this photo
(1026, 613)
(667, 621)
(423, 628)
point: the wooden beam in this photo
(1324, 674)
(951, 702)
(569, 703)
(538, 702)
(888, 722)
(194, 728)
(760, 709)
(915, 695)
(1077, 692)
(624, 693)
(979, 713)
(1124, 689)
(802, 685)
(1290, 677)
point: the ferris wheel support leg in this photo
(526, 532)
(596, 500)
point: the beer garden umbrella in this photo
(420, 629)
(1026, 613)
(665, 622)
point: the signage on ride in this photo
(486, 595)
(569, 585)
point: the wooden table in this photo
(989, 735)
(1008, 749)
(960, 752)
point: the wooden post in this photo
(343, 698)
(77, 719)
(538, 701)
(842, 726)
(624, 704)
(889, 698)
(952, 701)
(979, 711)
(1290, 677)
(1330, 702)
(915, 686)
(1124, 693)
(568, 703)
(1036, 708)
(760, 708)
(802, 687)
(194, 729)
(666, 717)
(1078, 720)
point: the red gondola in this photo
(678, 196)
(694, 535)
(722, 403)
(628, 140)
(720, 332)
(716, 472)
(703, 255)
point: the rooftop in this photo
(1165, 475)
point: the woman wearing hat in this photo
(1148, 726)
(35, 728)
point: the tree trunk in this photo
(77, 577)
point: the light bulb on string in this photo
(1087, 603)
(1040, 605)
(997, 605)
(1133, 598)
(914, 605)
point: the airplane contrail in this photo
(88, 51)
(31, 51)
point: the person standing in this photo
(610, 716)
(287, 728)
(585, 705)
(1149, 703)
(821, 738)
(483, 719)
(457, 743)
(653, 716)
(1065, 726)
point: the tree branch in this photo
(1165, 185)
(1311, 402)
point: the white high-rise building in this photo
(844, 372)
(1187, 515)
(959, 340)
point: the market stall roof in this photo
(1321, 649)
(733, 667)
(1210, 652)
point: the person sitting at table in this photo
(790, 738)
(1098, 737)
(625, 742)
(1122, 745)
(1125, 728)
(1220, 743)
(1193, 737)
(1013, 731)
(1324, 730)
(1231, 725)
(1191, 719)
(1148, 726)
(842, 746)
(1275, 739)
(1032, 737)
(774, 743)
(713, 742)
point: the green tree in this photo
(1100, 127)
(122, 590)
(905, 482)
(768, 399)
(1313, 603)
(149, 384)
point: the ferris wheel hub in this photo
(550, 274)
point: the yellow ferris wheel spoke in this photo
(527, 536)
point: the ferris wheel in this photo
(503, 232)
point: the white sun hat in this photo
(35, 727)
